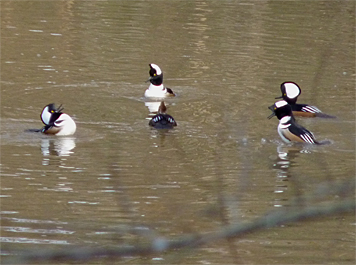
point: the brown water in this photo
(225, 60)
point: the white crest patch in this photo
(281, 103)
(292, 90)
(46, 115)
(156, 67)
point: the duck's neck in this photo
(153, 87)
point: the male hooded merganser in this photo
(56, 122)
(288, 128)
(156, 88)
(290, 92)
(162, 120)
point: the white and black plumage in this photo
(156, 88)
(288, 129)
(290, 93)
(56, 122)
(162, 120)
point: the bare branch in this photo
(161, 244)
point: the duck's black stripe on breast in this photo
(54, 117)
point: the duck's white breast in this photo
(66, 124)
(155, 91)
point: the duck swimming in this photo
(56, 122)
(156, 88)
(288, 129)
(290, 93)
(162, 120)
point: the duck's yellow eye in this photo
(154, 74)
(52, 111)
(284, 94)
(275, 108)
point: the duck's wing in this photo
(309, 111)
(50, 129)
(302, 133)
(162, 121)
(170, 92)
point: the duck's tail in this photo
(323, 115)
(324, 142)
(33, 130)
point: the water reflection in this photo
(59, 147)
(22, 240)
(22, 233)
(159, 138)
(284, 161)
(152, 107)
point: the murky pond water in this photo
(223, 163)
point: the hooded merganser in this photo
(162, 120)
(288, 128)
(56, 122)
(290, 92)
(156, 88)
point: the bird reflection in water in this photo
(284, 161)
(57, 147)
(153, 107)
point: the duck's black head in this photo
(290, 92)
(156, 75)
(50, 113)
(280, 109)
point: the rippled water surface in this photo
(224, 163)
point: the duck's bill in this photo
(271, 108)
(279, 97)
(271, 116)
(60, 108)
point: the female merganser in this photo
(290, 92)
(56, 122)
(288, 129)
(156, 88)
(162, 120)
